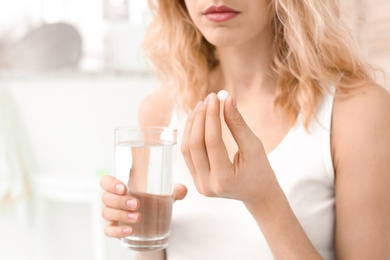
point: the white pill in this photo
(222, 95)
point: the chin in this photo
(222, 40)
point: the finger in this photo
(123, 216)
(180, 192)
(116, 231)
(119, 201)
(111, 184)
(246, 140)
(216, 149)
(185, 149)
(197, 139)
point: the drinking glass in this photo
(145, 162)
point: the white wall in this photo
(70, 118)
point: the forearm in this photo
(280, 227)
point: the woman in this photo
(296, 159)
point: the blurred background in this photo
(70, 72)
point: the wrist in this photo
(266, 201)
(152, 255)
(269, 206)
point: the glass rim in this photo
(149, 129)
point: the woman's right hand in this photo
(119, 207)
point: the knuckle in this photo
(208, 193)
(194, 144)
(236, 120)
(185, 149)
(113, 231)
(106, 182)
(211, 141)
(105, 198)
(239, 120)
(205, 191)
(110, 200)
(219, 188)
(117, 202)
(107, 231)
(105, 213)
(103, 182)
(112, 215)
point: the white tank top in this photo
(213, 228)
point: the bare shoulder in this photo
(360, 150)
(366, 98)
(361, 120)
(156, 109)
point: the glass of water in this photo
(145, 162)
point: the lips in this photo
(220, 13)
(219, 9)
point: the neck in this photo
(246, 68)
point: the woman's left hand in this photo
(249, 177)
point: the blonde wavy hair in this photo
(313, 50)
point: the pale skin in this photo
(225, 148)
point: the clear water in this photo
(146, 167)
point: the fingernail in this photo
(209, 99)
(119, 188)
(198, 105)
(126, 231)
(132, 204)
(133, 216)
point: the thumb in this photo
(242, 134)
(180, 192)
